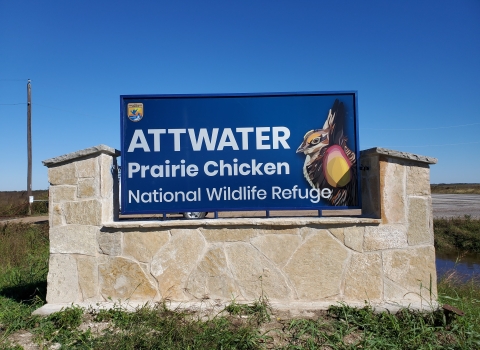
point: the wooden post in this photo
(29, 146)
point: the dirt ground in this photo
(453, 205)
(28, 219)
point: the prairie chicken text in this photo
(210, 168)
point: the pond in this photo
(466, 265)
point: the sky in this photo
(414, 64)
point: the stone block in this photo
(412, 268)
(74, 239)
(363, 279)
(87, 168)
(87, 212)
(174, 262)
(107, 210)
(124, 279)
(372, 162)
(146, 269)
(110, 243)
(370, 185)
(61, 193)
(419, 213)
(142, 246)
(392, 187)
(279, 230)
(393, 292)
(62, 279)
(385, 237)
(212, 278)
(418, 180)
(354, 238)
(277, 248)
(255, 274)
(234, 234)
(339, 233)
(106, 163)
(371, 196)
(56, 217)
(308, 231)
(88, 277)
(87, 188)
(316, 267)
(62, 175)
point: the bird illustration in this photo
(329, 162)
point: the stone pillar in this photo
(396, 189)
(83, 195)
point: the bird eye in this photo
(315, 141)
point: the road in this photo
(450, 205)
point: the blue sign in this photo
(239, 152)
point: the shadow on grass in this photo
(26, 293)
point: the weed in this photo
(259, 310)
(68, 318)
(62, 327)
(117, 315)
(464, 295)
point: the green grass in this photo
(149, 327)
(23, 268)
(457, 235)
(23, 260)
(464, 295)
(342, 327)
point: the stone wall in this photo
(385, 256)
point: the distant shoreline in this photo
(456, 188)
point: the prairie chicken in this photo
(329, 162)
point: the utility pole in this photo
(29, 146)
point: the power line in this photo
(13, 79)
(51, 107)
(440, 127)
(62, 110)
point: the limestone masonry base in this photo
(385, 257)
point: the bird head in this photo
(314, 141)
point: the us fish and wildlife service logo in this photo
(135, 111)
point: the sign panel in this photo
(239, 152)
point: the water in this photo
(467, 265)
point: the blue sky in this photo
(415, 65)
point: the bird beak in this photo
(300, 148)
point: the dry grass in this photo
(455, 188)
(15, 203)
